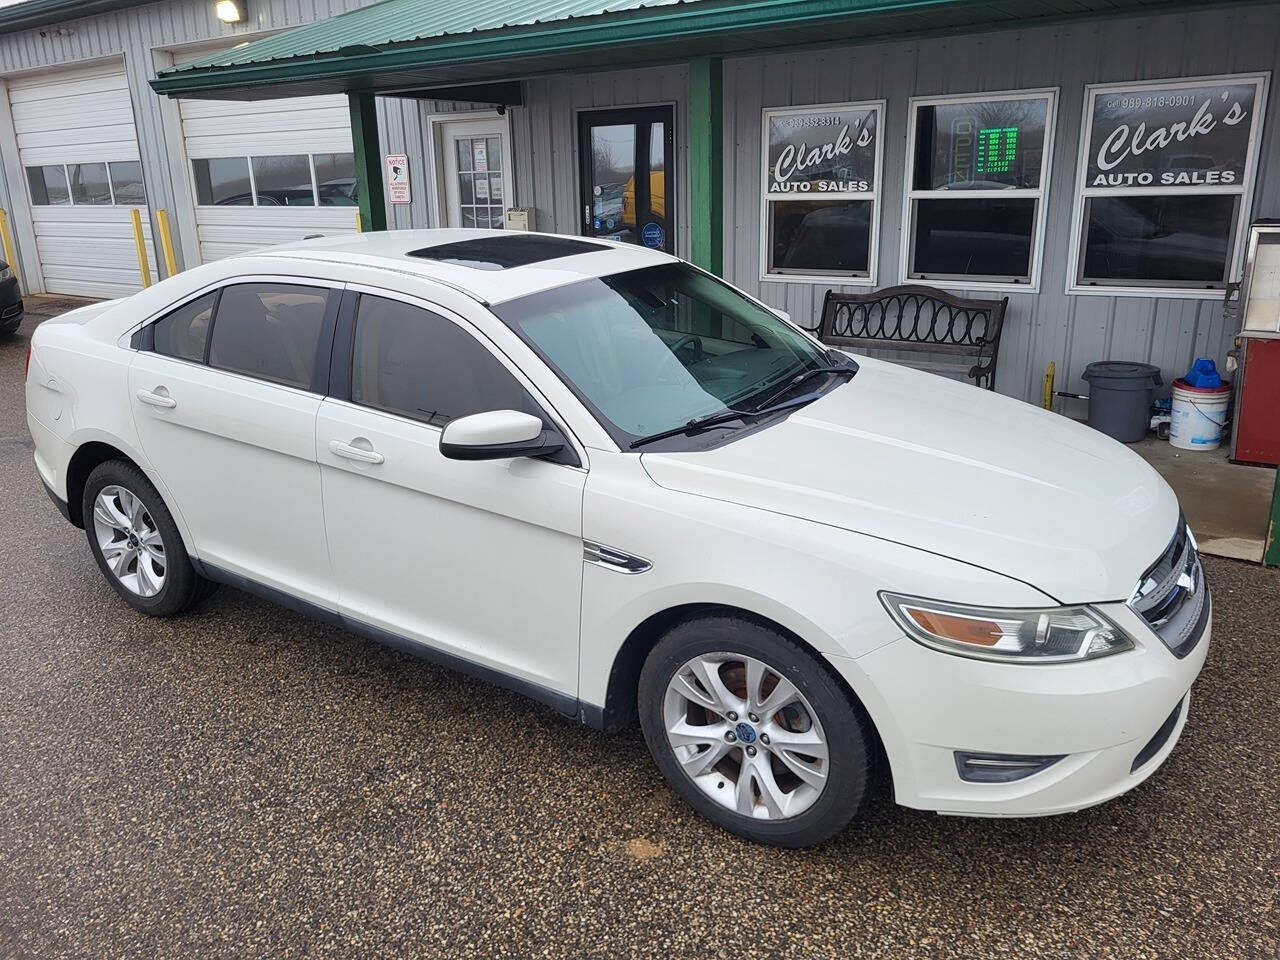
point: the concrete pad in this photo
(1227, 504)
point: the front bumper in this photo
(1100, 715)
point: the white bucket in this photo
(1198, 415)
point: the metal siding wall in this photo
(135, 33)
(545, 133)
(1072, 331)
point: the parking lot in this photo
(244, 782)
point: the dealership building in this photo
(1097, 162)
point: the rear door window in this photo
(184, 332)
(270, 331)
(417, 364)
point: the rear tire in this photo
(753, 732)
(136, 543)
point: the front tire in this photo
(754, 732)
(136, 543)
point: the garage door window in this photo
(283, 181)
(48, 185)
(87, 184)
(335, 179)
(270, 331)
(288, 180)
(223, 181)
(976, 178)
(126, 182)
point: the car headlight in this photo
(1047, 635)
(6, 273)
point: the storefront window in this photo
(976, 178)
(1165, 171)
(821, 191)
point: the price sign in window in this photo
(976, 179)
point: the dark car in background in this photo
(10, 301)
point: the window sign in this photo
(820, 191)
(976, 172)
(823, 151)
(1164, 185)
(1171, 136)
(978, 143)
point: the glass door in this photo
(627, 175)
(477, 172)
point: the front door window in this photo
(477, 173)
(627, 184)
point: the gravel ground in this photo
(244, 782)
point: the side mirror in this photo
(497, 435)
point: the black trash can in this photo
(1120, 397)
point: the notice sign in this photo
(397, 177)
(821, 150)
(1172, 135)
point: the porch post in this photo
(706, 164)
(364, 138)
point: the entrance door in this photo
(477, 172)
(628, 186)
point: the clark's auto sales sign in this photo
(1175, 136)
(821, 152)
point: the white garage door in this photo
(268, 172)
(77, 144)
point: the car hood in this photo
(945, 467)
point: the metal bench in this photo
(919, 319)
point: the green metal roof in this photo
(403, 45)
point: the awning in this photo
(411, 47)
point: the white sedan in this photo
(594, 474)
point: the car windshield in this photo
(651, 349)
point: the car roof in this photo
(491, 266)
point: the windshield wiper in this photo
(709, 420)
(704, 422)
(848, 369)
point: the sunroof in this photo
(502, 253)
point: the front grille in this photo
(1172, 595)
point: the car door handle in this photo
(157, 399)
(349, 452)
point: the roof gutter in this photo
(651, 25)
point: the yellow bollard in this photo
(143, 267)
(166, 242)
(9, 257)
(1048, 385)
(358, 230)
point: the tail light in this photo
(26, 371)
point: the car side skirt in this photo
(588, 714)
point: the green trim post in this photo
(1271, 551)
(364, 137)
(706, 164)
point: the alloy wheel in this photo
(130, 541)
(746, 736)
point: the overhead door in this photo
(268, 171)
(79, 151)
